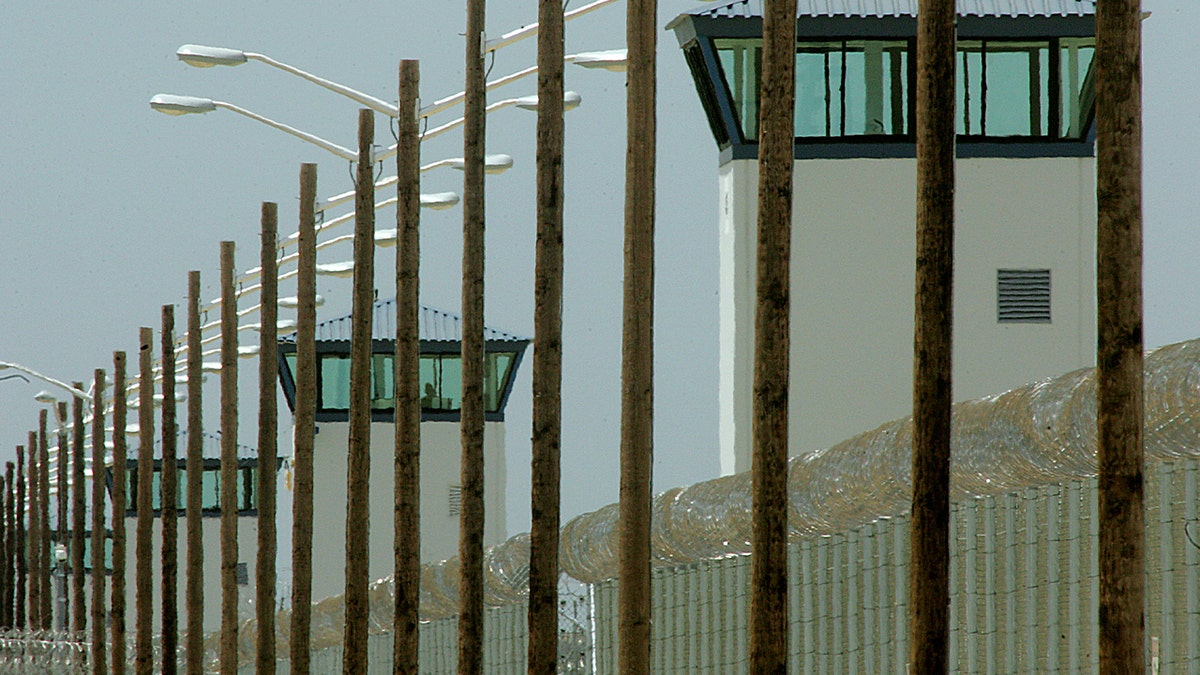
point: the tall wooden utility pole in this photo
(268, 420)
(33, 560)
(305, 425)
(45, 592)
(637, 344)
(471, 517)
(62, 462)
(228, 657)
(637, 341)
(20, 561)
(194, 604)
(407, 471)
(547, 348)
(144, 583)
(10, 543)
(169, 488)
(929, 580)
(772, 337)
(78, 515)
(1119, 380)
(119, 483)
(358, 462)
(99, 486)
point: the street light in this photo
(201, 56)
(5, 365)
(171, 104)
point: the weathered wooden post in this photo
(1119, 379)
(407, 470)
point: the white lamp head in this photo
(171, 104)
(44, 396)
(616, 60)
(493, 164)
(342, 270)
(439, 200)
(571, 100)
(385, 237)
(201, 56)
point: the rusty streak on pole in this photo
(99, 476)
(407, 471)
(358, 463)
(144, 601)
(929, 581)
(547, 348)
(194, 606)
(637, 345)
(120, 508)
(769, 566)
(78, 516)
(305, 425)
(471, 517)
(169, 488)
(268, 419)
(1119, 379)
(228, 658)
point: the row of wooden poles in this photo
(1119, 382)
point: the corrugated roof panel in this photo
(434, 325)
(736, 9)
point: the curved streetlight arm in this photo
(532, 29)
(492, 164)
(5, 365)
(378, 105)
(334, 148)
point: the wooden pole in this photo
(99, 480)
(20, 560)
(1119, 379)
(305, 426)
(58, 591)
(78, 516)
(637, 344)
(929, 581)
(772, 337)
(228, 658)
(194, 608)
(358, 463)
(35, 531)
(45, 592)
(471, 517)
(268, 419)
(407, 476)
(144, 583)
(10, 549)
(119, 484)
(547, 348)
(61, 535)
(169, 487)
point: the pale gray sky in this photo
(108, 204)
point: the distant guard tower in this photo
(1025, 217)
(441, 384)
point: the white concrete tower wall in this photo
(853, 249)
(439, 473)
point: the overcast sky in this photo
(109, 204)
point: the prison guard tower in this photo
(441, 388)
(1025, 207)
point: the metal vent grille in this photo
(455, 500)
(1023, 296)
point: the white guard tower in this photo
(1025, 215)
(441, 383)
